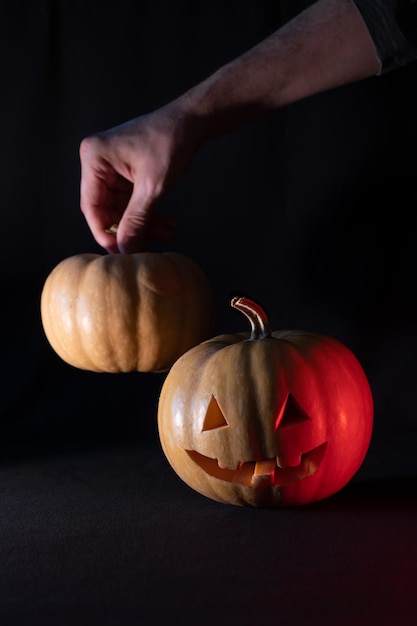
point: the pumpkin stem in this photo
(255, 314)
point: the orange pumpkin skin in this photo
(126, 312)
(282, 420)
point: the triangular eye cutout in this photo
(290, 414)
(214, 416)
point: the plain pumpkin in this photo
(266, 419)
(126, 312)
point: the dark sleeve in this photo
(392, 25)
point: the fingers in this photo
(140, 225)
(104, 193)
(121, 181)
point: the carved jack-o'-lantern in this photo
(266, 419)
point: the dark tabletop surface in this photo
(111, 535)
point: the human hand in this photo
(125, 170)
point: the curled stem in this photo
(255, 314)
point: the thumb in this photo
(132, 231)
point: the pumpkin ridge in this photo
(133, 325)
(175, 261)
(154, 286)
(72, 268)
(198, 296)
(118, 294)
(85, 262)
(83, 279)
(52, 323)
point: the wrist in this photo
(226, 100)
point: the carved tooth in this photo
(244, 474)
(263, 468)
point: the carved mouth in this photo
(250, 473)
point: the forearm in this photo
(325, 46)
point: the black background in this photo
(310, 211)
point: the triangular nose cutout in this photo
(290, 414)
(214, 416)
